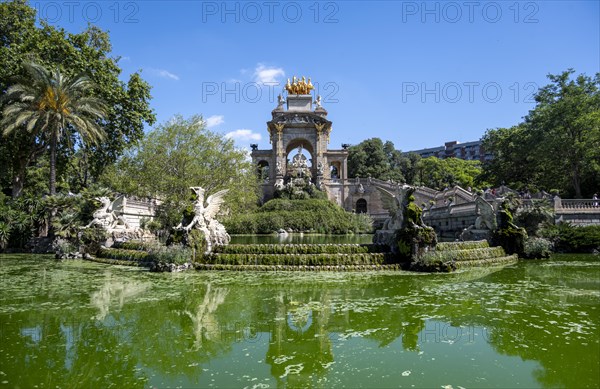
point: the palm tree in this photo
(52, 105)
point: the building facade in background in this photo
(469, 151)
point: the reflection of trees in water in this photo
(68, 350)
(175, 326)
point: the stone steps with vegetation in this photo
(466, 254)
(317, 268)
(301, 249)
(467, 245)
(449, 256)
(323, 259)
(505, 260)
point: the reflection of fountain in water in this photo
(204, 320)
(115, 293)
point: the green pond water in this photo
(82, 324)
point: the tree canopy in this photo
(373, 158)
(439, 173)
(182, 153)
(558, 144)
(50, 106)
(89, 52)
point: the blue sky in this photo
(416, 73)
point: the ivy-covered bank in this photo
(308, 215)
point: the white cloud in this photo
(243, 135)
(215, 120)
(164, 73)
(266, 74)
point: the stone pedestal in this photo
(299, 103)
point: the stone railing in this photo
(576, 205)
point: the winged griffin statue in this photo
(204, 218)
(106, 218)
(403, 216)
(396, 204)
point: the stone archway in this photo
(263, 170)
(361, 206)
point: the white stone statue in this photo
(486, 219)
(318, 102)
(117, 227)
(320, 168)
(395, 203)
(106, 218)
(204, 218)
(279, 184)
(279, 169)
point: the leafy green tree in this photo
(566, 122)
(439, 173)
(50, 105)
(24, 39)
(558, 144)
(409, 166)
(371, 158)
(183, 153)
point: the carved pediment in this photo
(299, 119)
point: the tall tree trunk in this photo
(53, 163)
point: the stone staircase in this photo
(300, 257)
(449, 256)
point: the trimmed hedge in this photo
(134, 245)
(299, 215)
(124, 254)
(158, 254)
(299, 259)
(300, 249)
(109, 261)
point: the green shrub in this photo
(511, 239)
(196, 242)
(299, 215)
(538, 213)
(572, 239)
(412, 238)
(92, 238)
(536, 248)
(177, 254)
(135, 245)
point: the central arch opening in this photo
(299, 154)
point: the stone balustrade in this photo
(577, 205)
